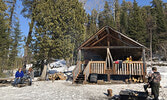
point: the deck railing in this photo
(129, 68)
(77, 70)
(97, 67)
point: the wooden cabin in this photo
(106, 52)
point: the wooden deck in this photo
(99, 67)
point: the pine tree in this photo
(4, 36)
(105, 17)
(161, 26)
(29, 12)
(124, 17)
(16, 43)
(59, 29)
(157, 11)
(137, 26)
(91, 24)
(117, 15)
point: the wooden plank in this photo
(5, 79)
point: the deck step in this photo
(80, 79)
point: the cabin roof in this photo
(116, 38)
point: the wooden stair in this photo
(80, 78)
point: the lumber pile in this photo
(5, 81)
(134, 80)
(57, 76)
(100, 82)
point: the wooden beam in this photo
(111, 47)
(108, 41)
(99, 40)
(120, 40)
(93, 36)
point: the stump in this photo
(109, 92)
(100, 82)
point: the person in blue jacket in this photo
(18, 76)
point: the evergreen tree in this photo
(124, 17)
(117, 15)
(29, 12)
(105, 17)
(91, 24)
(59, 29)
(4, 36)
(160, 33)
(15, 46)
(157, 11)
(137, 26)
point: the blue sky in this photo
(91, 3)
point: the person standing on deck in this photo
(155, 78)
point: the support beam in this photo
(120, 40)
(99, 40)
(111, 47)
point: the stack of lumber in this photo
(134, 80)
(100, 82)
(57, 76)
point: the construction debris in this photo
(57, 76)
(134, 80)
(100, 82)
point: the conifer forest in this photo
(58, 27)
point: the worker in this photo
(130, 58)
(18, 76)
(127, 60)
(155, 78)
(149, 83)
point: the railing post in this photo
(90, 67)
(104, 68)
(128, 68)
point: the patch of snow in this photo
(58, 66)
(71, 68)
(28, 66)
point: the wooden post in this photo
(79, 59)
(144, 63)
(109, 92)
(108, 77)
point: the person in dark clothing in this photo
(149, 83)
(155, 85)
(18, 76)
